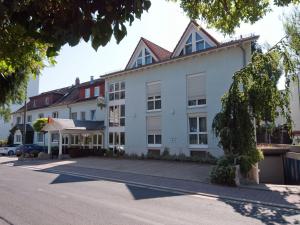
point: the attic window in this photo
(47, 101)
(189, 45)
(144, 58)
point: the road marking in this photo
(138, 218)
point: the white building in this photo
(295, 108)
(161, 99)
(169, 99)
(32, 89)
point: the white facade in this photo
(172, 119)
(32, 90)
(295, 104)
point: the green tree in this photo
(39, 124)
(226, 15)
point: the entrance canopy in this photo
(71, 127)
(55, 124)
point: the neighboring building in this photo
(295, 109)
(32, 89)
(161, 99)
(78, 102)
(169, 99)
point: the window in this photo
(153, 96)
(97, 91)
(117, 91)
(200, 44)
(47, 100)
(55, 115)
(93, 114)
(197, 131)
(41, 115)
(74, 115)
(87, 93)
(196, 90)
(29, 118)
(188, 45)
(154, 131)
(55, 137)
(144, 58)
(34, 103)
(117, 116)
(116, 139)
(97, 140)
(82, 115)
(18, 120)
(18, 138)
(40, 137)
(74, 140)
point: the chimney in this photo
(77, 81)
(92, 79)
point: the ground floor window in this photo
(18, 138)
(116, 139)
(97, 140)
(65, 140)
(40, 137)
(74, 140)
(154, 139)
(197, 131)
(55, 137)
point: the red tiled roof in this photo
(158, 51)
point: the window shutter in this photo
(153, 124)
(196, 85)
(153, 89)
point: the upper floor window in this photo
(55, 115)
(34, 103)
(194, 43)
(189, 45)
(153, 96)
(74, 115)
(144, 58)
(29, 118)
(116, 91)
(41, 115)
(196, 90)
(47, 100)
(87, 93)
(97, 91)
(93, 114)
(18, 120)
(117, 116)
(82, 115)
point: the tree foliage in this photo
(253, 98)
(39, 124)
(226, 15)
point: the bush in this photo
(224, 171)
(34, 153)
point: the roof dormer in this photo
(146, 53)
(194, 39)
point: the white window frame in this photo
(153, 99)
(73, 115)
(197, 132)
(117, 109)
(114, 144)
(18, 120)
(87, 93)
(99, 137)
(144, 53)
(154, 145)
(73, 140)
(55, 114)
(29, 116)
(37, 137)
(195, 99)
(96, 93)
(93, 114)
(47, 100)
(54, 140)
(120, 91)
(18, 136)
(83, 116)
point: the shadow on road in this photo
(266, 214)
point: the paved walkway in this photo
(170, 175)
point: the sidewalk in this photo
(170, 176)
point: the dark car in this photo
(29, 148)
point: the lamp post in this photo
(24, 119)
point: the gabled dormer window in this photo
(189, 45)
(194, 43)
(144, 58)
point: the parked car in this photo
(8, 150)
(29, 148)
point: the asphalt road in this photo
(40, 198)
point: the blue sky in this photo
(163, 25)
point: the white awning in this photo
(61, 124)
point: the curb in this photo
(170, 189)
